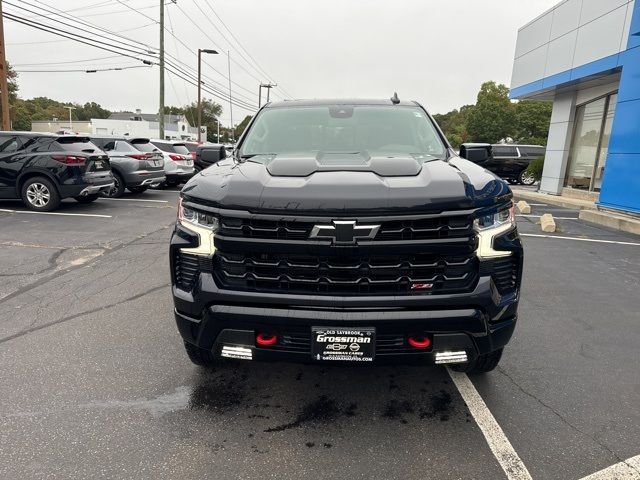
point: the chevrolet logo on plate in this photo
(344, 232)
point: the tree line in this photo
(495, 118)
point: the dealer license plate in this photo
(343, 344)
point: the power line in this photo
(78, 38)
(264, 72)
(196, 24)
(228, 41)
(107, 47)
(60, 41)
(66, 62)
(112, 47)
(88, 70)
(115, 12)
(190, 49)
(131, 43)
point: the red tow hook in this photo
(419, 341)
(266, 339)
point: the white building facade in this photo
(137, 124)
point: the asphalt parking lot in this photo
(95, 382)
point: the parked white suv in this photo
(178, 163)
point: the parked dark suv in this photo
(346, 231)
(510, 161)
(136, 163)
(42, 169)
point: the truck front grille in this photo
(360, 275)
(436, 227)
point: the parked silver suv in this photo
(135, 162)
(178, 162)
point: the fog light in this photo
(419, 341)
(266, 339)
(241, 353)
(451, 357)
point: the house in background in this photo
(138, 124)
(584, 55)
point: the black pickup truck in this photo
(342, 232)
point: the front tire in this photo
(482, 364)
(87, 198)
(199, 356)
(40, 194)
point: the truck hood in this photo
(346, 184)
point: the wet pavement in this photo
(96, 384)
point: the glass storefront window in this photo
(588, 152)
(604, 144)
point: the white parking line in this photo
(134, 200)
(497, 440)
(58, 213)
(627, 470)
(579, 239)
(538, 216)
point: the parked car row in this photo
(42, 169)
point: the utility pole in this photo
(4, 84)
(218, 134)
(70, 120)
(200, 52)
(161, 108)
(230, 100)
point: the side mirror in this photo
(212, 154)
(475, 152)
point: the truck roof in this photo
(341, 101)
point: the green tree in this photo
(454, 125)
(237, 131)
(493, 117)
(91, 110)
(532, 122)
(211, 111)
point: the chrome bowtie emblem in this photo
(344, 232)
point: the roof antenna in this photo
(395, 100)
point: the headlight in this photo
(495, 220)
(489, 227)
(194, 217)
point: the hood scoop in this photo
(292, 165)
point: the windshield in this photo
(376, 130)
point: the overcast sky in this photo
(435, 51)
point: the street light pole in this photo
(268, 86)
(230, 99)
(70, 120)
(200, 51)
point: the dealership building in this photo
(584, 55)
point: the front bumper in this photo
(477, 323)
